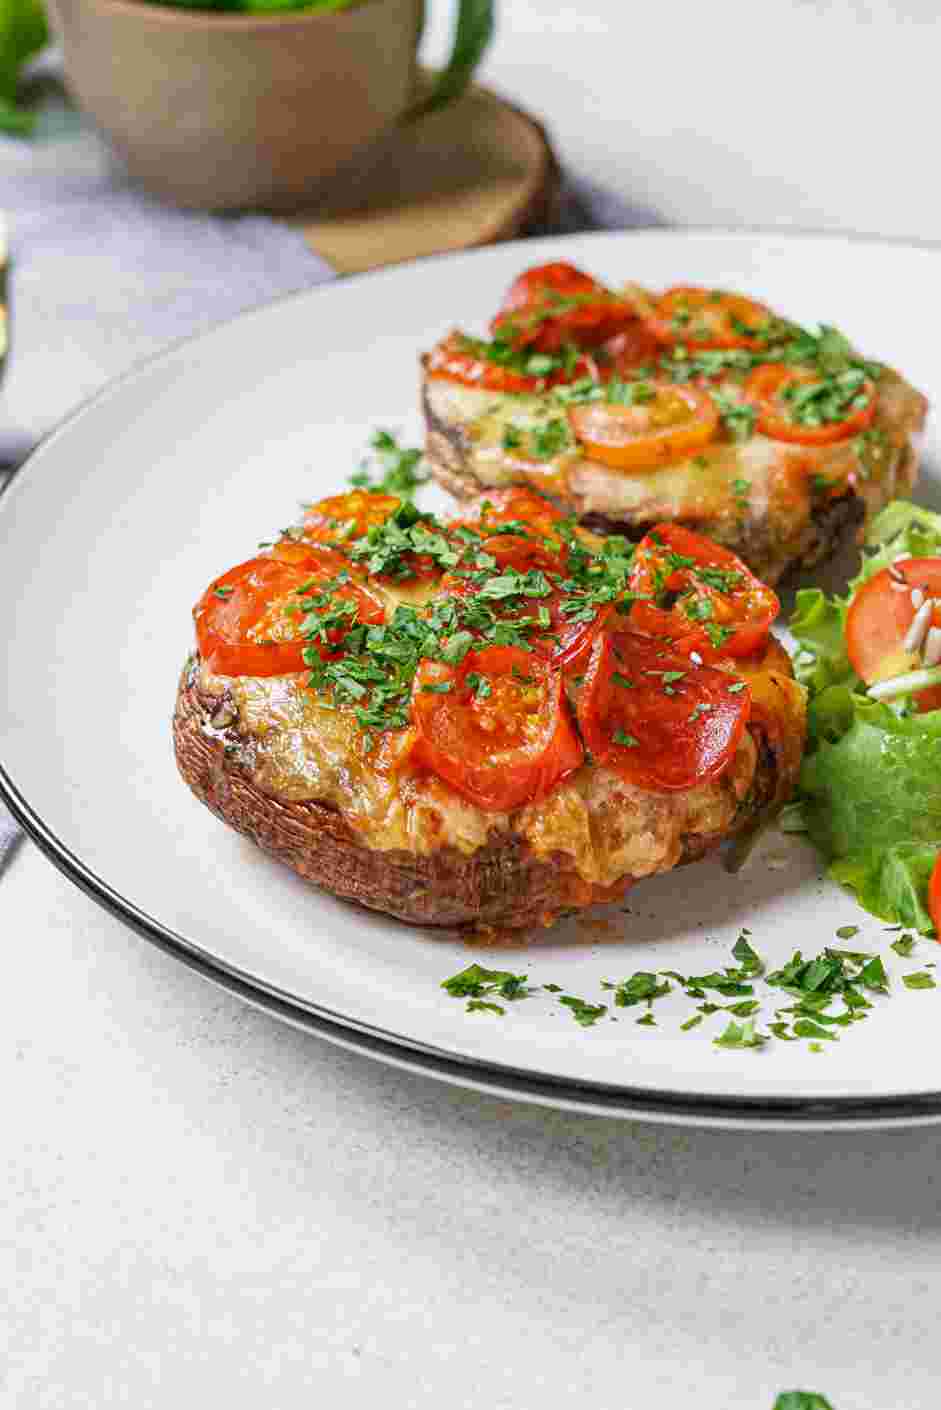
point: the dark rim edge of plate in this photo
(493, 1078)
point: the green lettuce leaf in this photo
(870, 785)
(871, 802)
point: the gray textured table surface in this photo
(204, 1207)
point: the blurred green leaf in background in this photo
(23, 32)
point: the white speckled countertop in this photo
(201, 1207)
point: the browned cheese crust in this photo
(505, 882)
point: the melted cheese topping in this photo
(297, 748)
(785, 481)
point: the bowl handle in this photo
(473, 31)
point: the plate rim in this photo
(588, 1097)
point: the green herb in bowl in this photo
(23, 32)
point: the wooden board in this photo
(478, 172)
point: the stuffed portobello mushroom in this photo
(695, 406)
(490, 721)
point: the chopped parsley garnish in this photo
(583, 1013)
(829, 400)
(741, 1035)
(479, 985)
(551, 439)
(738, 417)
(717, 635)
(628, 740)
(386, 548)
(480, 685)
(813, 987)
(400, 468)
(922, 980)
(620, 393)
(642, 987)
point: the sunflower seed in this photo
(918, 630)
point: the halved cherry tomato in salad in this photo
(879, 617)
(516, 505)
(709, 318)
(344, 517)
(934, 898)
(249, 622)
(654, 718)
(795, 404)
(554, 304)
(497, 728)
(664, 424)
(697, 587)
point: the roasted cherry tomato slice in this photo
(879, 617)
(794, 404)
(669, 424)
(709, 318)
(497, 509)
(458, 359)
(497, 728)
(248, 621)
(934, 898)
(344, 517)
(465, 360)
(695, 584)
(566, 638)
(635, 346)
(654, 718)
(555, 304)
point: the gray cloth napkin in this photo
(103, 276)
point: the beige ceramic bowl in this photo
(222, 111)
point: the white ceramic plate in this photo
(114, 527)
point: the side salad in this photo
(870, 785)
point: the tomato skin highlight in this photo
(702, 319)
(879, 617)
(675, 423)
(934, 898)
(502, 750)
(526, 314)
(635, 346)
(764, 390)
(683, 733)
(747, 608)
(254, 590)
